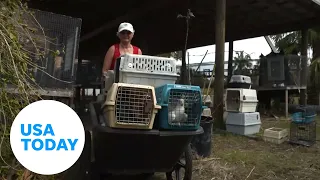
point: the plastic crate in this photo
(241, 100)
(300, 118)
(275, 135)
(130, 106)
(243, 123)
(181, 107)
(240, 79)
(146, 70)
(239, 85)
(303, 115)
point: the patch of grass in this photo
(318, 127)
(237, 157)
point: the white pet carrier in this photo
(243, 123)
(240, 81)
(130, 106)
(241, 100)
(147, 70)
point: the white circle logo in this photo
(47, 137)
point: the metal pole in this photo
(189, 69)
(202, 60)
(74, 52)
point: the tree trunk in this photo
(303, 77)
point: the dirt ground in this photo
(239, 158)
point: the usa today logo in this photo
(47, 137)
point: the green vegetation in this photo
(19, 48)
(237, 157)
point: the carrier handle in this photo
(162, 105)
(204, 107)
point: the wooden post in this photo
(287, 102)
(230, 60)
(304, 72)
(183, 73)
(220, 21)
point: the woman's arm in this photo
(139, 51)
(108, 59)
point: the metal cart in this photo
(128, 151)
(135, 152)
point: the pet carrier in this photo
(303, 133)
(130, 106)
(241, 100)
(145, 70)
(243, 123)
(240, 81)
(303, 115)
(181, 107)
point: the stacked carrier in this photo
(241, 104)
(143, 95)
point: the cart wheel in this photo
(81, 169)
(95, 175)
(184, 163)
(146, 176)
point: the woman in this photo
(125, 34)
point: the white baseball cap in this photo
(125, 26)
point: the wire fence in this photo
(62, 34)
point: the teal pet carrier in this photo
(181, 107)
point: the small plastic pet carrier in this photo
(240, 81)
(181, 107)
(145, 70)
(241, 100)
(130, 106)
(243, 123)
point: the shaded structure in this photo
(281, 75)
(159, 31)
